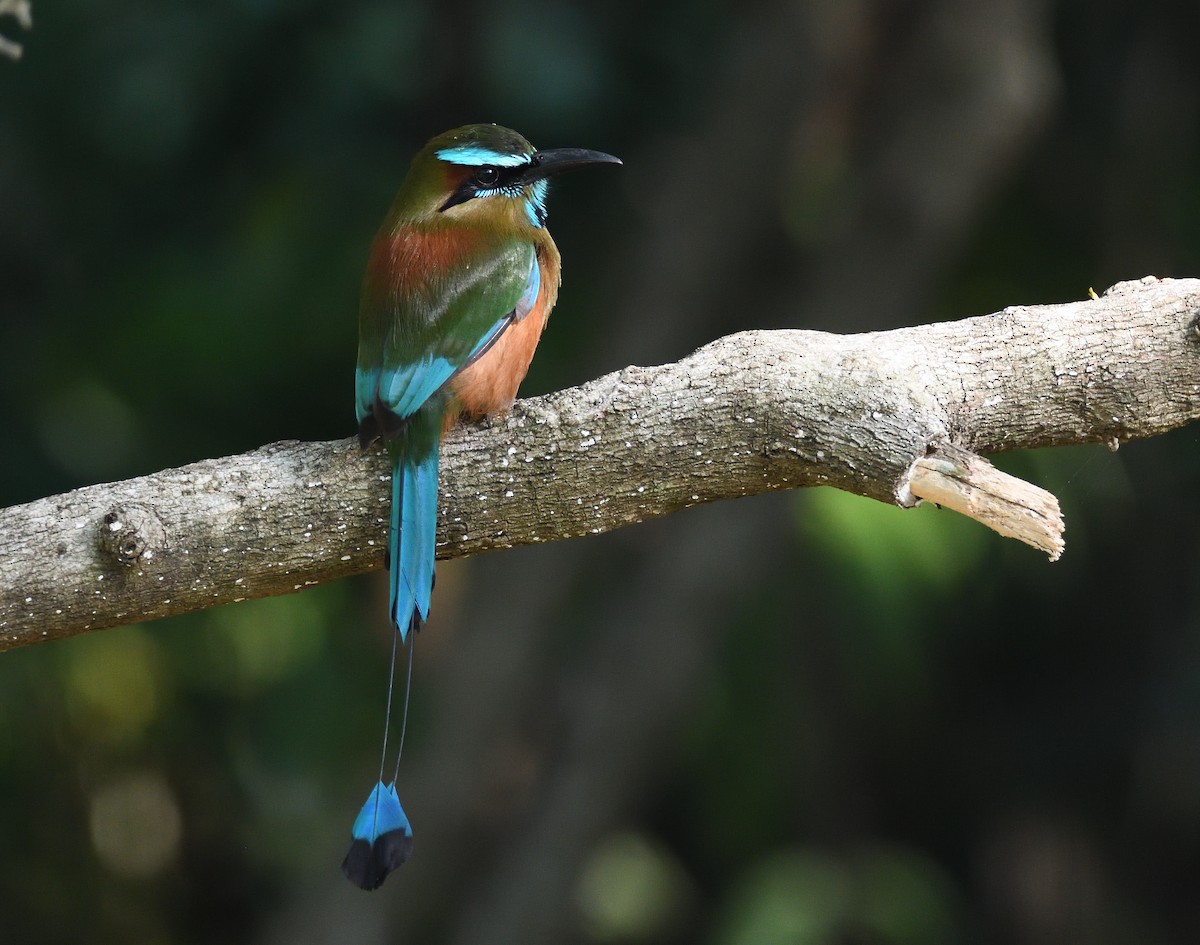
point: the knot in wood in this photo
(130, 535)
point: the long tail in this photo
(382, 835)
(412, 539)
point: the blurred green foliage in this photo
(912, 731)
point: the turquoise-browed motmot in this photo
(461, 279)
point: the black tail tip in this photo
(368, 865)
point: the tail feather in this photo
(382, 839)
(412, 540)
(382, 836)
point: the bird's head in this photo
(486, 173)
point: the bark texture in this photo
(755, 411)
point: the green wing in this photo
(419, 325)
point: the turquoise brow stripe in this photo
(475, 156)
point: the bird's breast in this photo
(489, 386)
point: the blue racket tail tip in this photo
(382, 839)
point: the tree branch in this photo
(957, 479)
(21, 11)
(751, 412)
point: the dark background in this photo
(797, 718)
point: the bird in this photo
(460, 281)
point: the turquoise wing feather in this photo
(420, 325)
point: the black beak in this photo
(546, 163)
